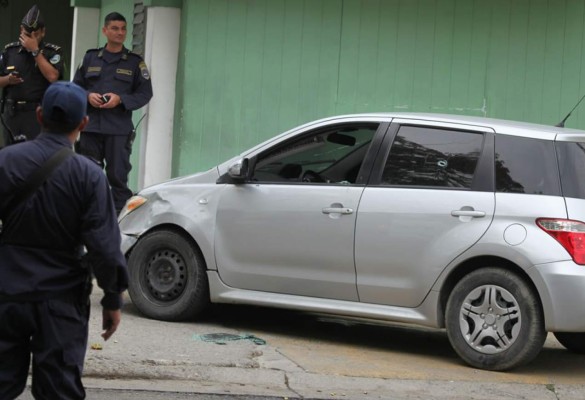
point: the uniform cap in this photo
(64, 103)
(33, 19)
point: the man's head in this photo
(64, 108)
(115, 28)
(33, 23)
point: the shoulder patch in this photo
(53, 46)
(144, 70)
(13, 44)
(55, 59)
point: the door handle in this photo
(468, 213)
(337, 210)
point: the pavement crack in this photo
(552, 388)
(287, 384)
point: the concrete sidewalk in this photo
(292, 385)
(147, 355)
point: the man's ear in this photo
(40, 115)
(83, 123)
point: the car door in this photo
(290, 229)
(430, 199)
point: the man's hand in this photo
(114, 101)
(110, 321)
(14, 79)
(30, 41)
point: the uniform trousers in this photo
(115, 151)
(23, 122)
(55, 333)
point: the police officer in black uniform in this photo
(44, 296)
(117, 82)
(27, 68)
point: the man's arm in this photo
(32, 44)
(101, 236)
(141, 88)
(6, 78)
(49, 72)
(10, 79)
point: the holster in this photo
(85, 294)
(131, 138)
(8, 107)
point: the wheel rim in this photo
(165, 275)
(490, 319)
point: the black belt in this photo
(22, 105)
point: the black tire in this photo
(572, 341)
(168, 279)
(494, 320)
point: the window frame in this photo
(367, 164)
(484, 177)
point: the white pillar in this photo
(86, 22)
(163, 25)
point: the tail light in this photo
(570, 234)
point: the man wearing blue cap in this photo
(27, 68)
(44, 288)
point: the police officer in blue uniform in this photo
(117, 82)
(27, 68)
(44, 296)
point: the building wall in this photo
(250, 69)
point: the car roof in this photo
(502, 126)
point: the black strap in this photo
(36, 179)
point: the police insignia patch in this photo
(55, 59)
(144, 70)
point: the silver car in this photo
(470, 224)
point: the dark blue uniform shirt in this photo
(42, 237)
(17, 58)
(123, 73)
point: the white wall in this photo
(163, 25)
(86, 22)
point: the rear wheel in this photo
(168, 278)
(572, 341)
(494, 320)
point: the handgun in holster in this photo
(131, 138)
(4, 102)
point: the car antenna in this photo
(562, 123)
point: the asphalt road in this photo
(287, 354)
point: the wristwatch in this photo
(34, 53)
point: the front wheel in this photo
(572, 341)
(168, 278)
(494, 320)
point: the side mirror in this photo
(236, 173)
(239, 170)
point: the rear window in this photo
(424, 156)
(525, 165)
(572, 168)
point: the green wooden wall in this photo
(251, 69)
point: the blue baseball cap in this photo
(64, 103)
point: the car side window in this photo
(571, 157)
(526, 165)
(426, 156)
(331, 155)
